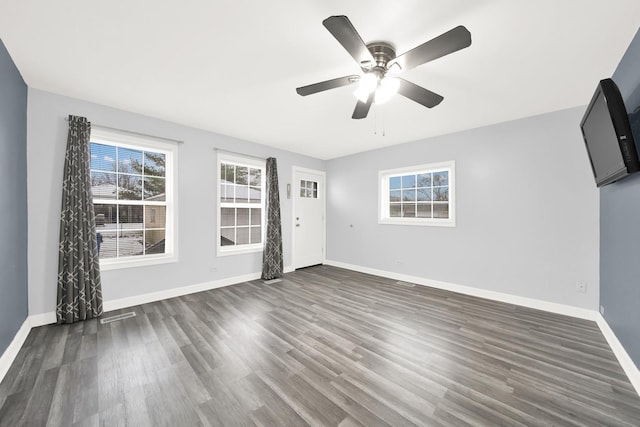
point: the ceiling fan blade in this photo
(419, 94)
(326, 85)
(343, 30)
(362, 108)
(449, 42)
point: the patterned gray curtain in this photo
(272, 255)
(79, 288)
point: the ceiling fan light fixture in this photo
(368, 84)
(388, 87)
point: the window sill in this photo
(117, 264)
(420, 222)
(227, 252)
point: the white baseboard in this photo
(177, 292)
(623, 357)
(552, 307)
(42, 319)
(12, 350)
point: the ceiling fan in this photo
(380, 66)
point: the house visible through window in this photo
(132, 186)
(420, 195)
(241, 204)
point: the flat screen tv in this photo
(607, 135)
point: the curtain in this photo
(79, 288)
(272, 255)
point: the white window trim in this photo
(383, 195)
(223, 157)
(170, 149)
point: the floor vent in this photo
(272, 281)
(407, 284)
(117, 317)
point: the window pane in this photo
(154, 242)
(130, 216)
(423, 194)
(395, 210)
(256, 234)
(242, 235)
(154, 189)
(424, 180)
(408, 195)
(242, 175)
(228, 217)
(226, 193)
(303, 192)
(255, 176)
(408, 210)
(255, 195)
(256, 216)
(242, 194)
(106, 217)
(155, 216)
(130, 243)
(129, 187)
(243, 216)
(395, 195)
(315, 194)
(154, 163)
(106, 244)
(440, 210)
(103, 157)
(424, 210)
(440, 178)
(441, 193)
(394, 183)
(227, 236)
(228, 173)
(408, 181)
(103, 185)
(129, 161)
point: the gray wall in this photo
(620, 230)
(13, 199)
(196, 194)
(527, 211)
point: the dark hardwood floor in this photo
(326, 347)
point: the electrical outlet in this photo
(602, 310)
(213, 269)
(581, 287)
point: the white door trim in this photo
(323, 191)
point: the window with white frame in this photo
(133, 187)
(241, 204)
(418, 195)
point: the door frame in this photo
(323, 192)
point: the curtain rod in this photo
(222, 150)
(66, 119)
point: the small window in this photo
(241, 204)
(308, 189)
(132, 183)
(419, 195)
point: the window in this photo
(418, 195)
(132, 182)
(241, 204)
(308, 189)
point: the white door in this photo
(308, 217)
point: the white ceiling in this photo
(232, 66)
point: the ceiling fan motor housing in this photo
(382, 53)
